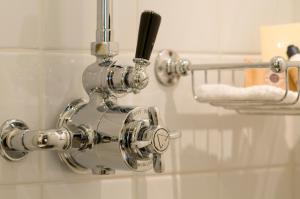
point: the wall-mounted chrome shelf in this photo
(258, 99)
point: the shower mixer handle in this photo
(149, 25)
(152, 141)
(137, 77)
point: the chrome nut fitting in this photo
(104, 49)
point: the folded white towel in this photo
(211, 92)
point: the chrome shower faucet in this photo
(100, 136)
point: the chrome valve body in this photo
(119, 137)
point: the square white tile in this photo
(296, 182)
(125, 24)
(198, 150)
(21, 192)
(116, 188)
(71, 24)
(287, 10)
(186, 25)
(295, 10)
(62, 83)
(20, 89)
(20, 23)
(257, 184)
(159, 187)
(296, 140)
(194, 186)
(249, 141)
(79, 190)
(240, 24)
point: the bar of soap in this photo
(275, 39)
(274, 42)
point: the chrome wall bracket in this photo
(169, 67)
(6, 128)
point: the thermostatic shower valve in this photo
(98, 135)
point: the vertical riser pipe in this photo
(104, 20)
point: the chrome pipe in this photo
(104, 48)
(233, 66)
(222, 66)
(104, 21)
(32, 140)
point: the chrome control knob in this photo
(158, 139)
(152, 141)
(157, 144)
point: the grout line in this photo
(42, 20)
(65, 51)
(19, 50)
(42, 191)
(40, 79)
(128, 51)
(134, 189)
(293, 170)
(67, 180)
(217, 52)
(87, 51)
(220, 163)
(292, 177)
(219, 21)
(97, 178)
(42, 83)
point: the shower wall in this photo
(44, 48)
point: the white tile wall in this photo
(256, 142)
(77, 190)
(240, 22)
(256, 184)
(191, 25)
(21, 191)
(196, 186)
(20, 22)
(21, 102)
(68, 24)
(296, 182)
(44, 49)
(296, 12)
(156, 187)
